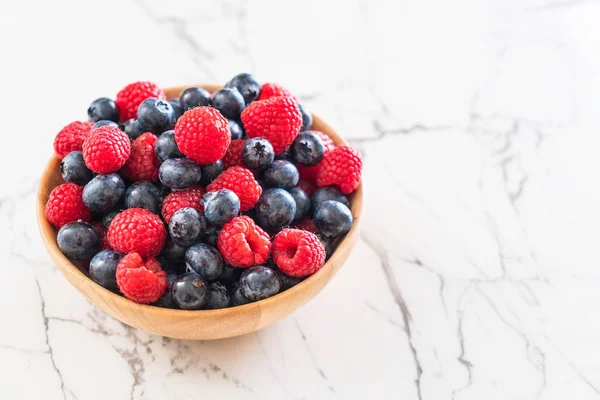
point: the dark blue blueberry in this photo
(308, 148)
(259, 282)
(229, 102)
(134, 128)
(238, 298)
(258, 153)
(73, 169)
(107, 219)
(236, 130)
(176, 104)
(173, 251)
(211, 235)
(156, 115)
(218, 297)
(204, 260)
(166, 300)
(332, 218)
(189, 291)
(229, 275)
(103, 108)
(143, 194)
(211, 171)
(194, 97)
(302, 203)
(330, 243)
(187, 226)
(103, 268)
(275, 209)
(78, 240)
(306, 118)
(247, 85)
(179, 173)
(282, 174)
(285, 155)
(328, 193)
(166, 147)
(105, 122)
(163, 191)
(287, 281)
(220, 206)
(103, 193)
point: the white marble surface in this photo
(477, 275)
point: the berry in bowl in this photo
(200, 212)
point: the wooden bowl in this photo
(202, 324)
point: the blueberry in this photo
(284, 155)
(104, 122)
(306, 118)
(210, 172)
(282, 174)
(186, 226)
(179, 173)
(156, 115)
(302, 203)
(194, 97)
(220, 206)
(330, 243)
(163, 191)
(275, 209)
(107, 219)
(258, 153)
(143, 194)
(166, 147)
(229, 275)
(134, 128)
(78, 240)
(173, 251)
(308, 148)
(103, 193)
(259, 282)
(103, 108)
(189, 291)
(103, 268)
(287, 281)
(166, 300)
(238, 298)
(218, 297)
(236, 130)
(333, 218)
(204, 260)
(176, 104)
(247, 85)
(73, 169)
(211, 235)
(328, 193)
(229, 102)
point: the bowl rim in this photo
(48, 233)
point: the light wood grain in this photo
(204, 324)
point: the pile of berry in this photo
(202, 202)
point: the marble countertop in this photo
(477, 275)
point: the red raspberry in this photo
(142, 164)
(65, 204)
(309, 172)
(142, 282)
(277, 119)
(180, 199)
(106, 149)
(233, 157)
(240, 181)
(131, 96)
(307, 224)
(243, 244)
(343, 167)
(308, 186)
(202, 134)
(137, 230)
(71, 137)
(269, 90)
(102, 230)
(298, 253)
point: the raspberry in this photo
(307, 224)
(142, 164)
(106, 149)
(269, 90)
(309, 173)
(71, 137)
(180, 199)
(131, 96)
(142, 282)
(65, 204)
(137, 230)
(202, 134)
(308, 186)
(277, 119)
(343, 167)
(240, 181)
(243, 244)
(233, 157)
(298, 253)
